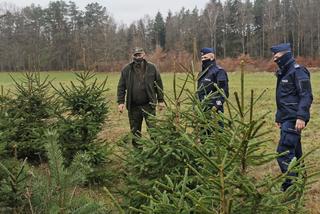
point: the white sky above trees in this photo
(126, 11)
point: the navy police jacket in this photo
(213, 74)
(293, 93)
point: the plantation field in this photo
(117, 124)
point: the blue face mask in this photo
(283, 60)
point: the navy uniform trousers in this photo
(290, 140)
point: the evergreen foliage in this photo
(55, 191)
(82, 115)
(25, 116)
(77, 111)
(160, 154)
(12, 186)
(52, 189)
(214, 170)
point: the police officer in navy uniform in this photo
(293, 98)
(211, 74)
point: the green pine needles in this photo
(77, 111)
(54, 189)
(192, 164)
(25, 116)
(83, 111)
(193, 160)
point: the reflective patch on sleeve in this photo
(305, 85)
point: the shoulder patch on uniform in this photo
(297, 66)
(305, 85)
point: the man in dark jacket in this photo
(211, 74)
(140, 83)
(293, 98)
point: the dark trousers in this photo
(290, 140)
(136, 116)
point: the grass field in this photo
(256, 81)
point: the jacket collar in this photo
(203, 72)
(286, 67)
(208, 63)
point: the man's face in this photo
(139, 56)
(208, 56)
(278, 55)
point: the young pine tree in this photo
(220, 177)
(56, 189)
(25, 116)
(83, 112)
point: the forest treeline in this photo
(64, 37)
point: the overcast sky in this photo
(127, 11)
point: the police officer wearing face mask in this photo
(140, 87)
(293, 98)
(211, 74)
